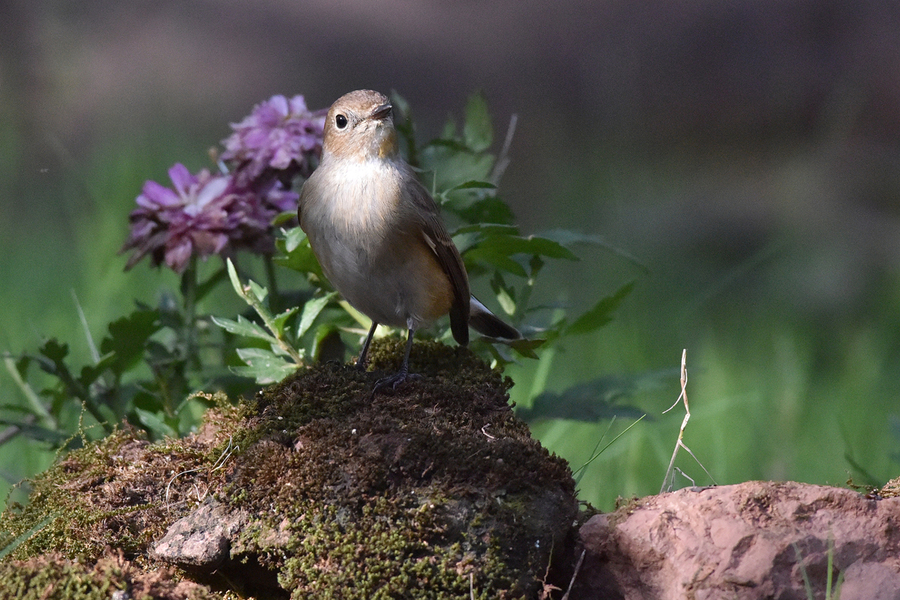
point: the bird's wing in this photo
(436, 236)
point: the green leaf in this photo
(91, 373)
(279, 320)
(128, 337)
(506, 295)
(477, 132)
(488, 229)
(311, 310)
(244, 327)
(55, 351)
(488, 209)
(601, 313)
(400, 104)
(235, 280)
(506, 302)
(473, 185)
(403, 122)
(599, 398)
(293, 238)
(154, 423)
(495, 259)
(454, 166)
(567, 237)
(526, 347)
(299, 257)
(514, 244)
(465, 241)
(259, 292)
(263, 365)
(283, 218)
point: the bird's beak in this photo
(382, 112)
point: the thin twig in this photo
(220, 462)
(503, 158)
(574, 575)
(687, 417)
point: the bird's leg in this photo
(400, 376)
(364, 353)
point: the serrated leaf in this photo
(263, 365)
(128, 337)
(601, 313)
(244, 327)
(91, 373)
(54, 350)
(477, 131)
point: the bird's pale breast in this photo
(370, 251)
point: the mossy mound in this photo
(317, 489)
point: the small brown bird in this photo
(378, 234)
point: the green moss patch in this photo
(315, 488)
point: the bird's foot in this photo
(392, 382)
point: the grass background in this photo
(748, 156)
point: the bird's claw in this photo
(393, 381)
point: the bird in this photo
(378, 233)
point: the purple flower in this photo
(279, 139)
(204, 215)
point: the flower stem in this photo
(189, 332)
(275, 302)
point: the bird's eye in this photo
(340, 121)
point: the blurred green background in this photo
(747, 153)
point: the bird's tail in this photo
(487, 323)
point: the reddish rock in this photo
(746, 541)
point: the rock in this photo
(200, 540)
(314, 489)
(746, 541)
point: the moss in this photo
(53, 577)
(338, 494)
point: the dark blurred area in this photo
(748, 153)
(698, 136)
